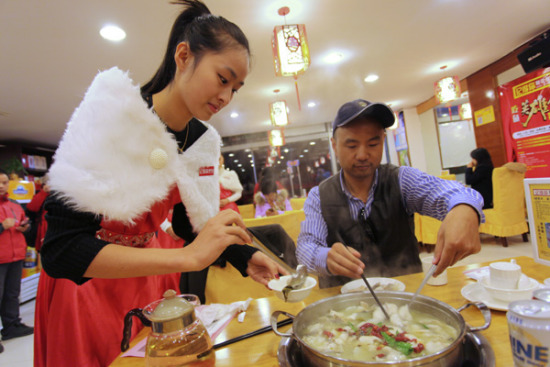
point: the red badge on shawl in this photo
(206, 171)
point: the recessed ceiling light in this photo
(231, 154)
(234, 115)
(311, 143)
(112, 33)
(371, 78)
(334, 58)
(311, 104)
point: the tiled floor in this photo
(19, 352)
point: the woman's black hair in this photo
(268, 186)
(482, 156)
(203, 32)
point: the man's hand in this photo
(343, 260)
(23, 226)
(8, 223)
(457, 238)
(262, 269)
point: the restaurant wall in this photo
(431, 143)
(415, 139)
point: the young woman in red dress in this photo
(127, 157)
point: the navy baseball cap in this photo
(361, 108)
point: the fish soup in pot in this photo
(351, 330)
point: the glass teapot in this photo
(177, 337)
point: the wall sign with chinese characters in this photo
(526, 121)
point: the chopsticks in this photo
(253, 333)
(372, 291)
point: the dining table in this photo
(261, 350)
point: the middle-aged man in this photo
(361, 220)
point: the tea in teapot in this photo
(177, 338)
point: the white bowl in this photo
(295, 295)
(525, 289)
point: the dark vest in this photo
(385, 240)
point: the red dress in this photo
(87, 320)
(224, 194)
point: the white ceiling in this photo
(51, 50)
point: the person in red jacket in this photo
(12, 253)
(37, 206)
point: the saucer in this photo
(475, 292)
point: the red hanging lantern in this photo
(290, 50)
(278, 113)
(447, 89)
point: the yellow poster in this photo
(537, 193)
(484, 115)
(21, 191)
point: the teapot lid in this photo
(171, 307)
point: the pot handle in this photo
(484, 311)
(274, 317)
(127, 332)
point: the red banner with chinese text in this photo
(524, 103)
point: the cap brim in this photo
(378, 111)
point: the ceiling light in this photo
(311, 143)
(234, 115)
(301, 156)
(112, 33)
(286, 150)
(311, 104)
(371, 78)
(334, 58)
(231, 154)
(236, 161)
(305, 150)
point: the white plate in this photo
(475, 292)
(379, 284)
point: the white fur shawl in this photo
(103, 164)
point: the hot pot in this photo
(449, 356)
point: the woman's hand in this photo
(262, 269)
(224, 202)
(271, 212)
(226, 228)
(172, 234)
